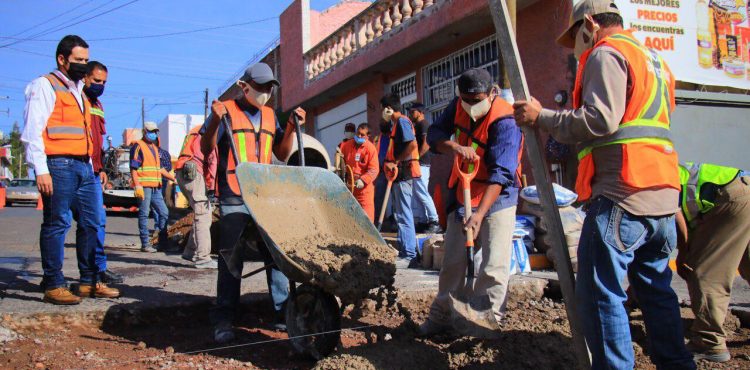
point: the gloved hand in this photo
(359, 184)
(139, 193)
(189, 170)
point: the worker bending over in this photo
(360, 154)
(713, 242)
(484, 130)
(627, 174)
(255, 132)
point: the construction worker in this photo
(147, 173)
(425, 213)
(339, 164)
(382, 142)
(255, 131)
(94, 81)
(628, 177)
(349, 133)
(57, 136)
(360, 154)
(403, 156)
(713, 242)
(195, 173)
(484, 129)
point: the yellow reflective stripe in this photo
(471, 165)
(587, 150)
(97, 112)
(241, 142)
(150, 168)
(267, 149)
(645, 123)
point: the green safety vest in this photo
(692, 178)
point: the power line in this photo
(76, 23)
(46, 21)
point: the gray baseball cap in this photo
(150, 126)
(259, 73)
(583, 7)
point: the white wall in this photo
(712, 134)
(330, 125)
(174, 128)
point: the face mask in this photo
(477, 110)
(151, 136)
(94, 90)
(76, 71)
(387, 114)
(359, 140)
(348, 135)
(255, 98)
(582, 35)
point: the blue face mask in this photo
(151, 136)
(94, 90)
(359, 140)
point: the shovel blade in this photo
(473, 317)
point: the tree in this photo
(18, 164)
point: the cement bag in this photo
(525, 230)
(572, 218)
(519, 258)
(563, 196)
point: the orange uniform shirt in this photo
(363, 160)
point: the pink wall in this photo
(324, 23)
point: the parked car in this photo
(21, 191)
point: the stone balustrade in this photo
(378, 20)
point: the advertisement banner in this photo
(704, 41)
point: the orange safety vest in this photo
(68, 130)
(149, 173)
(649, 160)
(413, 164)
(186, 153)
(477, 139)
(251, 147)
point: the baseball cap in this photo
(150, 126)
(583, 7)
(475, 81)
(259, 73)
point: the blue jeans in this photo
(73, 187)
(101, 258)
(613, 243)
(232, 225)
(152, 198)
(407, 236)
(422, 204)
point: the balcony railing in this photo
(379, 20)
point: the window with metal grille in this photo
(406, 88)
(439, 78)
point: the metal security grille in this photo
(406, 88)
(440, 76)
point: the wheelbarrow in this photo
(280, 197)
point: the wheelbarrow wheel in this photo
(310, 310)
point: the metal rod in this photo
(300, 146)
(251, 273)
(514, 69)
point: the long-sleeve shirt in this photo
(362, 159)
(40, 102)
(500, 156)
(606, 85)
(98, 130)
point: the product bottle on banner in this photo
(705, 42)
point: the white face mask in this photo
(255, 98)
(478, 110)
(582, 35)
(387, 114)
(348, 135)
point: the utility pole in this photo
(205, 105)
(143, 112)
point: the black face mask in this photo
(76, 71)
(93, 91)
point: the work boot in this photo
(712, 355)
(100, 291)
(148, 249)
(433, 228)
(110, 277)
(279, 321)
(403, 262)
(430, 328)
(60, 296)
(223, 333)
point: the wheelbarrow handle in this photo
(300, 146)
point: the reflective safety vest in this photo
(149, 173)
(251, 146)
(186, 153)
(692, 178)
(413, 160)
(477, 139)
(68, 130)
(649, 160)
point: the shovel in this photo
(390, 176)
(471, 315)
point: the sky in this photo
(170, 72)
